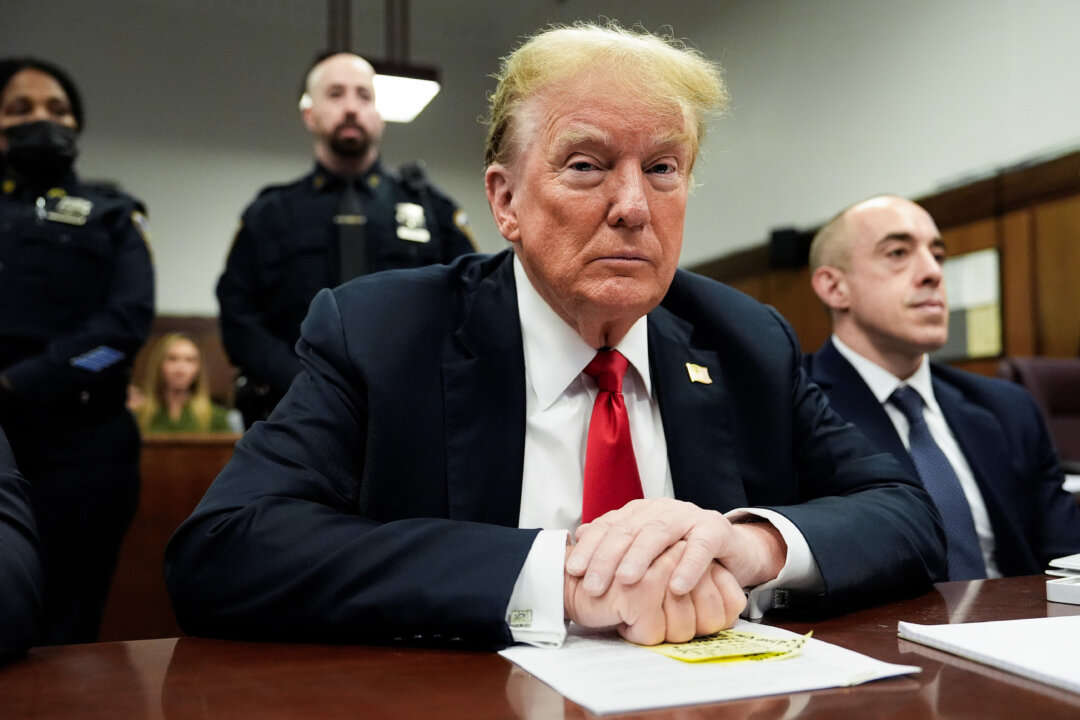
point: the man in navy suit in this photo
(878, 268)
(423, 475)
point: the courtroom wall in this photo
(191, 104)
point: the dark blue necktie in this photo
(937, 475)
(353, 260)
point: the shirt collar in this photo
(555, 354)
(882, 382)
(323, 180)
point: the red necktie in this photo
(611, 474)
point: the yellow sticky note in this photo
(732, 645)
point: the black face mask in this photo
(42, 152)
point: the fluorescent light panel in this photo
(400, 99)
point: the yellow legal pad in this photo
(732, 646)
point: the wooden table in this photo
(209, 679)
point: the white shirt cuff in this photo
(535, 612)
(799, 572)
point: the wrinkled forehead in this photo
(592, 110)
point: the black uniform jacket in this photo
(76, 298)
(285, 251)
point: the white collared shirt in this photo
(882, 384)
(558, 406)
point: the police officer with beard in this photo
(76, 304)
(346, 218)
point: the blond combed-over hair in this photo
(655, 72)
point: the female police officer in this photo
(76, 303)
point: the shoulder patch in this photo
(142, 225)
(461, 222)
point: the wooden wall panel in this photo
(978, 235)
(1057, 272)
(752, 285)
(1018, 283)
(176, 471)
(790, 293)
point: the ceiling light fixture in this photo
(402, 89)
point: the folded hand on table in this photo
(667, 570)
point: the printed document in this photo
(600, 671)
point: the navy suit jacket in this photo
(22, 577)
(1001, 433)
(381, 498)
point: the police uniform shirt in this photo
(286, 250)
(76, 293)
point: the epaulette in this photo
(279, 186)
(106, 188)
(113, 191)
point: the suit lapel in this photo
(698, 424)
(484, 386)
(983, 442)
(850, 396)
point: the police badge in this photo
(411, 223)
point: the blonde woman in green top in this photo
(177, 395)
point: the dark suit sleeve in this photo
(871, 528)
(21, 575)
(1056, 516)
(243, 301)
(280, 548)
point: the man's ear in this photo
(499, 184)
(305, 115)
(831, 286)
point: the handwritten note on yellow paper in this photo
(732, 646)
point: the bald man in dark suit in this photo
(878, 267)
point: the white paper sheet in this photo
(1044, 649)
(601, 672)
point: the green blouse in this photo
(162, 423)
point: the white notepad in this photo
(1069, 562)
(1043, 649)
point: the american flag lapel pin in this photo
(698, 374)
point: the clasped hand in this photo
(664, 570)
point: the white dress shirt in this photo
(882, 384)
(558, 405)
